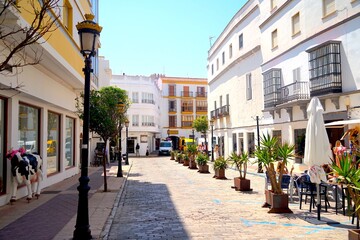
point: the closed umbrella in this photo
(317, 146)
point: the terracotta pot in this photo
(220, 174)
(192, 165)
(186, 163)
(354, 234)
(242, 184)
(204, 168)
(279, 203)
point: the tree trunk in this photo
(104, 166)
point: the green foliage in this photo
(191, 149)
(240, 162)
(220, 163)
(202, 159)
(201, 124)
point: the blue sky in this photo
(170, 37)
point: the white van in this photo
(165, 148)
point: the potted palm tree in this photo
(180, 157)
(240, 162)
(220, 164)
(202, 161)
(268, 153)
(348, 174)
(192, 151)
(186, 159)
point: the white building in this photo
(144, 113)
(301, 49)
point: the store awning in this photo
(343, 122)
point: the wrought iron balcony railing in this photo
(292, 92)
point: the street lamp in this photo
(258, 138)
(127, 148)
(212, 137)
(121, 109)
(89, 33)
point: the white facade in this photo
(144, 113)
(286, 35)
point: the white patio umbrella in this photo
(317, 146)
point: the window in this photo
(67, 16)
(277, 134)
(212, 69)
(187, 120)
(187, 106)
(29, 128)
(234, 142)
(325, 68)
(299, 135)
(200, 92)
(241, 41)
(217, 64)
(135, 97)
(69, 142)
(172, 90)
(248, 87)
(201, 106)
(296, 24)
(241, 142)
(296, 75)
(223, 58)
(251, 143)
(273, 5)
(186, 92)
(274, 40)
(135, 120)
(147, 120)
(272, 83)
(147, 98)
(172, 105)
(230, 51)
(328, 7)
(172, 121)
(53, 137)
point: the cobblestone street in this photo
(165, 200)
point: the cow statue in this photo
(25, 168)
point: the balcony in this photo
(293, 92)
(147, 101)
(148, 124)
(201, 94)
(186, 124)
(187, 94)
(187, 109)
(220, 112)
(172, 109)
(201, 109)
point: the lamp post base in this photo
(119, 172)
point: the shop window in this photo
(69, 142)
(53, 136)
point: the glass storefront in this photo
(53, 136)
(69, 143)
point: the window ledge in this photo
(275, 48)
(329, 15)
(296, 34)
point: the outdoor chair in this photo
(308, 189)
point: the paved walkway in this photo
(53, 215)
(164, 200)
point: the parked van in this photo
(165, 147)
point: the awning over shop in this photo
(343, 122)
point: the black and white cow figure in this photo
(25, 168)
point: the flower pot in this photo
(204, 168)
(354, 234)
(279, 203)
(192, 164)
(186, 162)
(220, 174)
(242, 184)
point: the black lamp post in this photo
(258, 138)
(89, 33)
(212, 137)
(193, 136)
(127, 145)
(121, 108)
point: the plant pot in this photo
(192, 164)
(204, 168)
(242, 184)
(279, 203)
(186, 162)
(354, 234)
(220, 174)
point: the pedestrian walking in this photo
(137, 149)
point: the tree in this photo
(18, 41)
(201, 124)
(105, 117)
